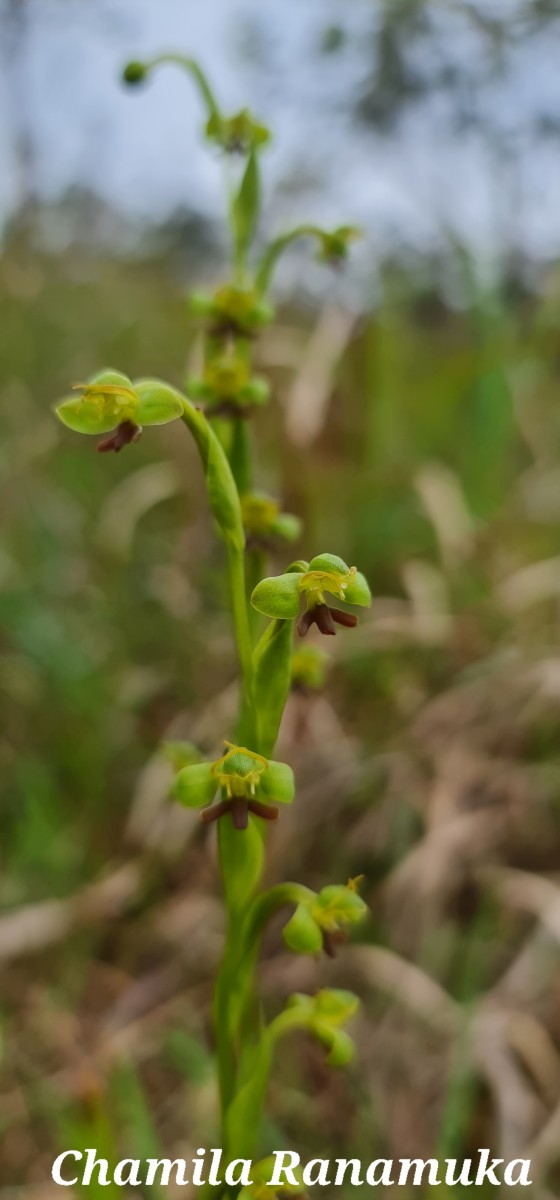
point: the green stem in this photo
(265, 269)
(266, 905)
(191, 66)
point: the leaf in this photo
(278, 596)
(223, 494)
(272, 662)
(247, 204)
(243, 1117)
(158, 403)
(241, 853)
(329, 562)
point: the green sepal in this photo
(116, 380)
(329, 562)
(83, 415)
(278, 596)
(157, 402)
(287, 526)
(357, 591)
(334, 1006)
(255, 393)
(194, 786)
(278, 783)
(338, 906)
(302, 934)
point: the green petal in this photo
(302, 934)
(83, 415)
(286, 526)
(159, 403)
(195, 786)
(277, 596)
(358, 591)
(278, 783)
(329, 562)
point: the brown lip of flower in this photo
(324, 617)
(331, 939)
(239, 807)
(125, 433)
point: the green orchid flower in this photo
(227, 387)
(334, 246)
(309, 666)
(324, 1014)
(247, 782)
(280, 596)
(263, 521)
(322, 921)
(111, 403)
(232, 311)
(238, 134)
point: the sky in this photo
(490, 180)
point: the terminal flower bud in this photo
(247, 783)
(280, 596)
(134, 73)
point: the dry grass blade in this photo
(410, 986)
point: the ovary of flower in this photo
(237, 783)
(316, 583)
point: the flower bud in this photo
(134, 73)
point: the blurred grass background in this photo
(420, 440)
